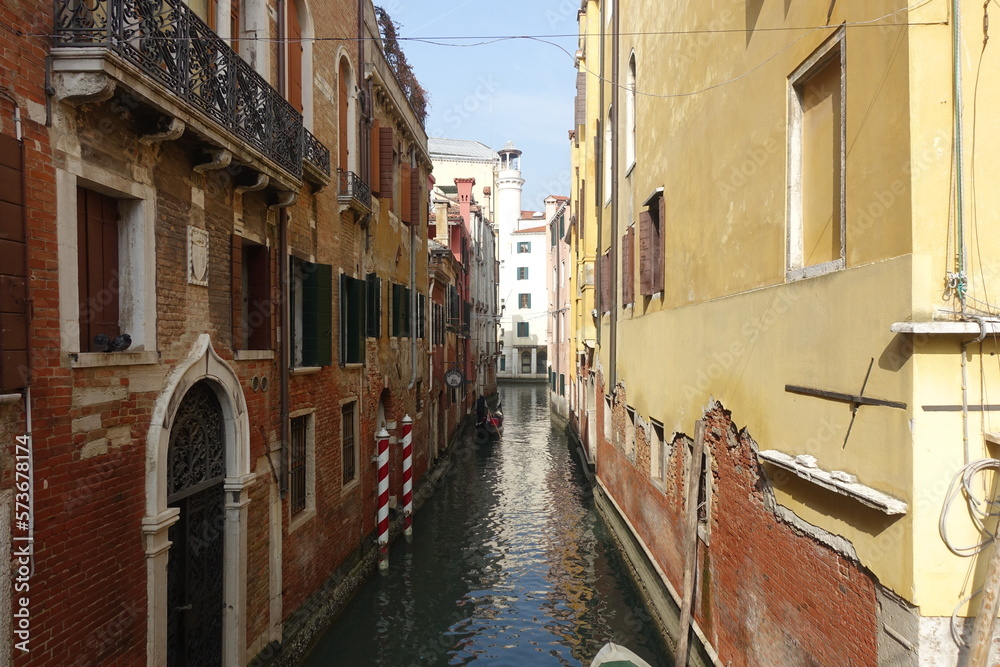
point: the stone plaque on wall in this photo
(197, 256)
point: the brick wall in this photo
(766, 592)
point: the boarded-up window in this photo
(386, 180)
(99, 279)
(628, 266)
(13, 270)
(352, 320)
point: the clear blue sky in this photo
(529, 85)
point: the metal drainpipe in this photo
(413, 307)
(284, 344)
(956, 32)
(613, 272)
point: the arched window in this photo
(347, 118)
(630, 116)
(298, 58)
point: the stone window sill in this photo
(108, 359)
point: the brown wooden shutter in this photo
(235, 25)
(294, 51)
(385, 163)
(259, 301)
(628, 267)
(405, 181)
(658, 250)
(605, 269)
(13, 270)
(645, 253)
(374, 162)
(343, 104)
(97, 218)
(236, 264)
(416, 192)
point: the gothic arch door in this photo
(195, 473)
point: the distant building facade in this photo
(558, 265)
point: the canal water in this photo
(510, 564)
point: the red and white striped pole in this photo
(407, 477)
(382, 439)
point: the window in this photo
(352, 320)
(523, 246)
(604, 268)
(628, 266)
(522, 330)
(630, 86)
(400, 311)
(99, 279)
(524, 301)
(606, 157)
(311, 302)
(373, 312)
(526, 362)
(344, 107)
(386, 163)
(541, 361)
(817, 162)
(421, 316)
(301, 461)
(503, 363)
(657, 453)
(522, 273)
(562, 384)
(651, 267)
(554, 233)
(13, 271)
(251, 295)
(294, 52)
(348, 442)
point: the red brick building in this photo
(223, 258)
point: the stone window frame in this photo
(136, 256)
(834, 48)
(356, 481)
(309, 511)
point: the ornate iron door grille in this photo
(195, 473)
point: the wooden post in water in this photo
(695, 470)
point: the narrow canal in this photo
(510, 564)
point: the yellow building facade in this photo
(791, 233)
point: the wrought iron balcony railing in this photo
(315, 153)
(171, 45)
(351, 189)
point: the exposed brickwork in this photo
(767, 594)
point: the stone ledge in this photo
(837, 482)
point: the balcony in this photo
(316, 158)
(164, 56)
(354, 192)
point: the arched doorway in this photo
(196, 471)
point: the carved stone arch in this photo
(201, 364)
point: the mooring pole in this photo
(382, 440)
(690, 542)
(408, 477)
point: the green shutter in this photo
(317, 314)
(352, 320)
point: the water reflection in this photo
(509, 565)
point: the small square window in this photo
(523, 246)
(522, 330)
(522, 273)
(524, 301)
